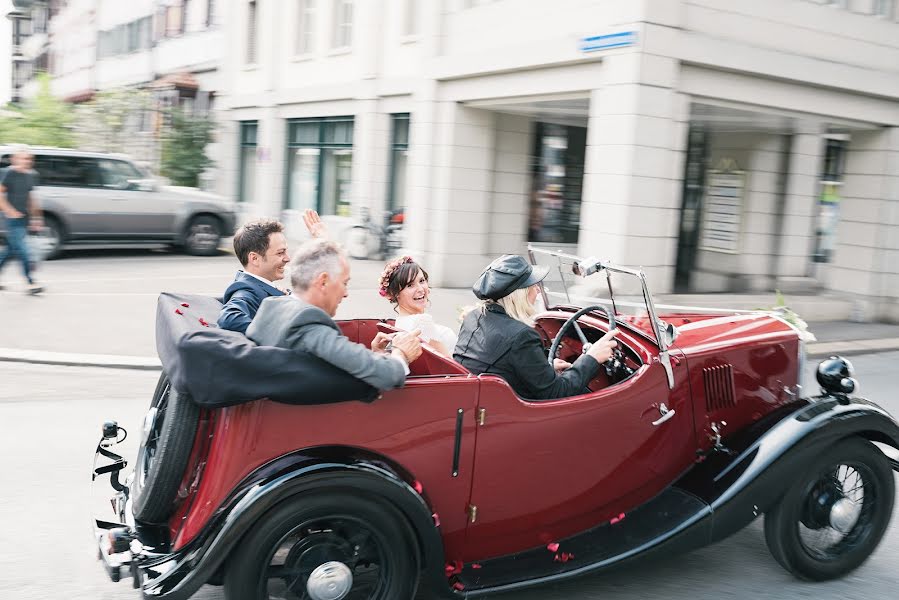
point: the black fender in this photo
(179, 575)
(771, 454)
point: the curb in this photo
(853, 347)
(108, 361)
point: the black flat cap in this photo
(506, 274)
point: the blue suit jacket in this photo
(242, 300)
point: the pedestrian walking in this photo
(21, 211)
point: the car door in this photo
(70, 186)
(138, 209)
(547, 470)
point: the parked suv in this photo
(89, 197)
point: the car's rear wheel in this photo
(55, 236)
(831, 519)
(326, 546)
(167, 437)
(203, 236)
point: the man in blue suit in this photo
(261, 248)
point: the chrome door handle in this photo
(666, 414)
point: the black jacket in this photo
(490, 341)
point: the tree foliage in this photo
(111, 120)
(184, 148)
(42, 121)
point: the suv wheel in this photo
(54, 234)
(203, 236)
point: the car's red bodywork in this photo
(535, 471)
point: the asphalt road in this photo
(50, 422)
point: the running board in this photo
(657, 523)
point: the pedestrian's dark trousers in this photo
(17, 245)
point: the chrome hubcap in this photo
(330, 581)
(203, 236)
(843, 515)
(149, 423)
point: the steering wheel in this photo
(572, 320)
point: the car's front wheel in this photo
(203, 236)
(833, 516)
(326, 546)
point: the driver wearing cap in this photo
(498, 335)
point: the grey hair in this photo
(312, 259)
(19, 149)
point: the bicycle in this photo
(373, 240)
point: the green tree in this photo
(43, 121)
(184, 148)
(109, 121)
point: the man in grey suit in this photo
(319, 277)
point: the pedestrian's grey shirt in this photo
(18, 185)
(288, 322)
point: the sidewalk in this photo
(833, 337)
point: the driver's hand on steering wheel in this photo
(602, 349)
(560, 365)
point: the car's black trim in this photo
(730, 490)
(457, 442)
(178, 575)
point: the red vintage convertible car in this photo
(282, 483)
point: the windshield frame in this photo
(592, 265)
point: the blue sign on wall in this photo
(605, 42)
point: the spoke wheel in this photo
(167, 436)
(326, 547)
(832, 518)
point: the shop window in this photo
(399, 159)
(830, 193)
(305, 41)
(557, 182)
(249, 131)
(319, 165)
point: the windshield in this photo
(580, 282)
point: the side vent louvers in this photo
(719, 387)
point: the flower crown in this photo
(388, 272)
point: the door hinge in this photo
(472, 513)
(481, 416)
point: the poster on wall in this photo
(723, 208)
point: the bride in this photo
(405, 284)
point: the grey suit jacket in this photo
(288, 322)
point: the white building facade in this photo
(721, 145)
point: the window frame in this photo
(339, 26)
(320, 144)
(304, 42)
(395, 147)
(243, 128)
(251, 56)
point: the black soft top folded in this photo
(221, 368)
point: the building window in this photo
(319, 165)
(882, 8)
(343, 24)
(251, 32)
(305, 41)
(410, 17)
(210, 13)
(399, 160)
(247, 168)
(557, 181)
(829, 199)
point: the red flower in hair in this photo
(388, 272)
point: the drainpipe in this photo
(783, 176)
